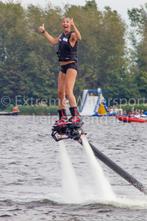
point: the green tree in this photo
(29, 65)
(138, 18)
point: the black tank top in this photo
(65, 51)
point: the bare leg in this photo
(70, 79)
(61, 90)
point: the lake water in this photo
(31, 173)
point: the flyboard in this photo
(75, 132)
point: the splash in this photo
(71, 191)
(102, 187)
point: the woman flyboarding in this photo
(67, 55)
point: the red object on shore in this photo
(130, 119)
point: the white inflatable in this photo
(93, 103)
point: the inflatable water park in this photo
(93, 103)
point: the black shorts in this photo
(65, 67)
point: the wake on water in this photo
(103, 193)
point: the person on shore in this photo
(67, 55)
(15, 109)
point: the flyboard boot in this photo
(75, 118)
(62, 118)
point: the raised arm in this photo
(76, 31)
(52, 40)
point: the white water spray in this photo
(103, 189)
(70, 185)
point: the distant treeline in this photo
(29, 66)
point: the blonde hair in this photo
(67, 18)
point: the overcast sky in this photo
(120, 5)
